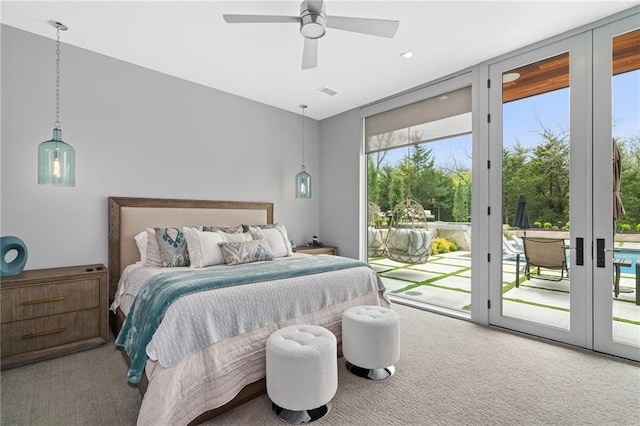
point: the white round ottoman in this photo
(371, 341)
(302, 372)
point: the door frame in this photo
(579, 48)
(603, 182)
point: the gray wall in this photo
(340, 154)
(137, 133)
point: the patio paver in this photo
(450, 269)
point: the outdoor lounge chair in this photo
(511, 248)
(545, 253)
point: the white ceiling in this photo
(262, 62)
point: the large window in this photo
(419, 197)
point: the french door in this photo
(551, 136)
(616, 94)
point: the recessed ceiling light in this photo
(510, 76)
(443, 97)
(407, 54)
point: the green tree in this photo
(397, 187)
(462, 197)
(514, 179)
(417, 176)
(422, 164)
(549, 173)
(541, 173)
(374, 163)
(384, 191)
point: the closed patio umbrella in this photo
(618, 208)
(521, 219)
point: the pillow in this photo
(273, 237)
(154, 258)
(227, 229)
(246, 252)
(203, 247)
(276, 242)
(283, 232)
(173, 247)
(141, 243)
(237, 237)
(256, 233)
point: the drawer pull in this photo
(43, 333)
(51, 299)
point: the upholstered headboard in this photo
(129, 216)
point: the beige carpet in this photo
(451, 372)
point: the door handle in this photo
(600, 252)
(580, 251)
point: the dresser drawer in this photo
(40, 333)
(21, 303)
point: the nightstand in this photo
(51, 312)
(317, 250)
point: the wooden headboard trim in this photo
(116, 205)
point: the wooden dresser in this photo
(51, 312)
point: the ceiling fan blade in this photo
(377, 27)
(310, 53)
(314, 6)
(257, 19)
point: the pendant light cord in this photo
(303, 108)
(57, 123)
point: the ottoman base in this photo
(302, 416)
(371, 373)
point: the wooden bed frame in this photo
(128, 216)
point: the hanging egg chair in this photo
(408, 239)
(375, 233)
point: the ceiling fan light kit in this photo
(314, 22)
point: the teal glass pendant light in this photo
(56, 158)
(303, 179)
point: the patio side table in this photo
(617, 264)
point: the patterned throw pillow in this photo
(237, 237)
(173, 247)
(275, 244)
(227, 229)
(256, 233)
(246, 252)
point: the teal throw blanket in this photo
(161, 290)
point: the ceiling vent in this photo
(328, 91)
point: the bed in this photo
(228, 369)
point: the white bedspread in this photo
(196, 321)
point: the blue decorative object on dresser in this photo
(15, 266)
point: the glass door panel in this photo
(617, 169)
(537, 135)
(535, 192)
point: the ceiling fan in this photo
(314, 21)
